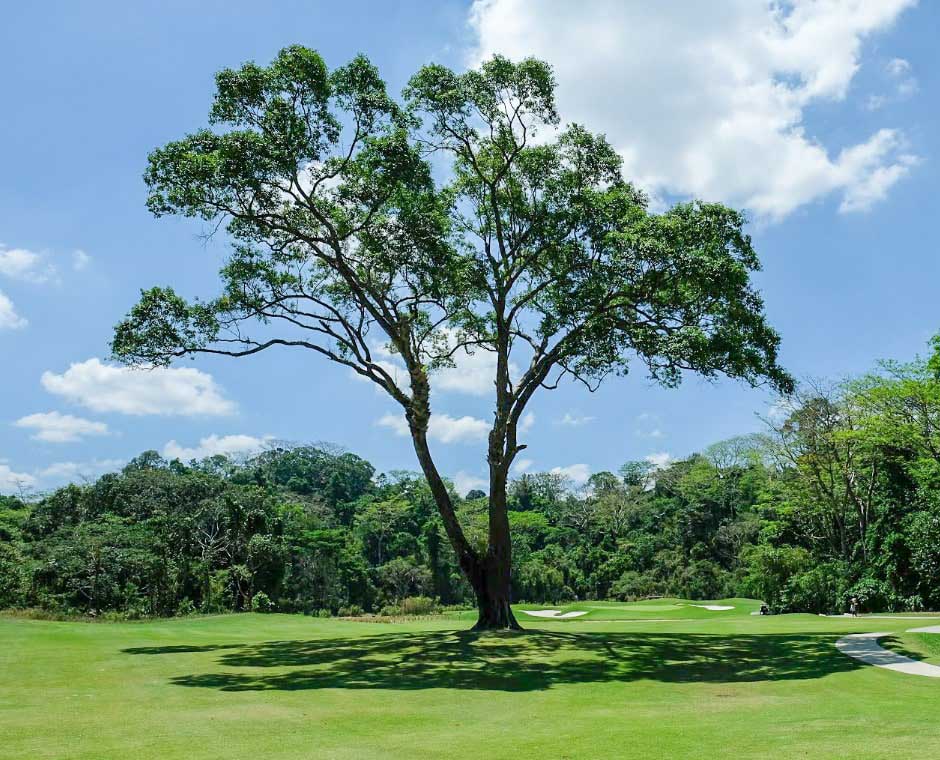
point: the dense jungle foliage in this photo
(840, 497)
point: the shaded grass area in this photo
(526, 661)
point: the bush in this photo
(411, 606)
(632, 586)
(819, 590)
(418, 605)
(261, 602)
(875, 596)
(351, 610)
(769, 570)
(186, 607)
(324, 614)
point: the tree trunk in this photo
(490, 575)
(493, 597)
(494, 588)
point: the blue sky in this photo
(820, 121)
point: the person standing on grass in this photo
(853, 606)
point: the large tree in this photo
(533, 249)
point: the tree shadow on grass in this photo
(531, 661)
(181, 649)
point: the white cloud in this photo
(397, 423)
(442, 427)
(526, 423)
(708, 99)
(80, 260)
(65, 472)
(137, 391)
(779, 410)
(574, 420)
(876, 178)
(898, 67)
(53, 427)
(227, 445)
(464, 482)
(473, 373)
(659, 459)
(9, 319)
(522, 465)
(577, 473)
(25, 265)
(11, 482)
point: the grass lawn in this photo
(656, 680)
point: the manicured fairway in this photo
(618, 682)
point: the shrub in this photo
(411, 606)
(351, 610)
(324, 614)
(261, 602)
(632, 586)
(875, 596)
(418, 605)
(820, 589)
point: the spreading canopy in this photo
(343, 239)
(461, 219)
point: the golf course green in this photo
(662, 679)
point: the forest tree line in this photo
(839, 497)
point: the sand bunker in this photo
(554, 614)
(925, 629)
(713, 607)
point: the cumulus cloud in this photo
(68, 472)
(526, 422)
(80, 260)
(25, 265)
(12, 482)
(709, 99)
(522, 465)
(900, 73)
(473, 372)
(659, 460)
(442, 427)
(9, 319)
(574, 420)
(159, 390)
(54, 427)
(464, 483)
(576, 473)
(875, 176)
(213, 445)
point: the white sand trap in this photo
(925, 629)
(865, 648)
(713, 607)
(554, 614)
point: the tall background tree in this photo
(535, 249)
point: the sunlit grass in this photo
(617, 682)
